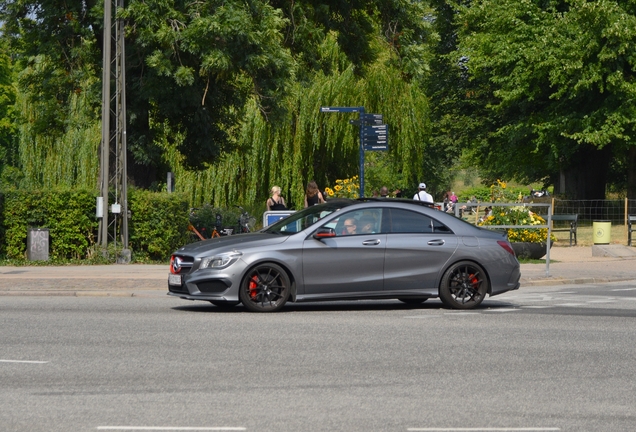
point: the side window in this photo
(405, 221)
(367, 221)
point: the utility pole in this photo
(113, 180)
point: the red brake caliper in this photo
(474, 281)
(253, 286)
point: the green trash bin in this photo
(601, 232)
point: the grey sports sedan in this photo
(349, 249)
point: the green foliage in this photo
(69, 216)
(200, 62)
(7, 118)
(307, 144)
(158, 224)
(550, 84)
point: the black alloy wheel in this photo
(265, 288)
(463, 286)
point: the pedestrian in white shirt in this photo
(422, 195)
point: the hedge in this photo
(157, 227)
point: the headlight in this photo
(221, 261)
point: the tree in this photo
(554, 83)
(193, 66)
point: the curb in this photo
(157, 294)
(579, 281)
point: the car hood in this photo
(231, 242)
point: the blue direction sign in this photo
(377, 147)
(375, 129)
(341, 109)
(370, 118)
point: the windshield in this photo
(305, 218)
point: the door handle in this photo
(374, 242)
(439, 242)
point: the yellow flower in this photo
(337, 188)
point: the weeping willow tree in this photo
(58, 137)
(306, 144)
(63, 161)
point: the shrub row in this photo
(157, 227)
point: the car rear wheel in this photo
(463, 286)
(413, 301)
(265, 288)
(224, 304)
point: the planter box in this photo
(529, 250)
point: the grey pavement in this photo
(568, 265)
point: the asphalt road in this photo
(541, 359)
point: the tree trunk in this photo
(631, 173)
(586, 176)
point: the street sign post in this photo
(373, 133)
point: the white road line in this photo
(419, 316)
(602, 301)
(536, 307)
(169, 428)
(23, 361)
(624, 289)
(570, 304)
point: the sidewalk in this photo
(568, 265)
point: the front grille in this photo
(178, 289)
(212, 287)
(185, 263)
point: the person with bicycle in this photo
(276, 202)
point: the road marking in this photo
(537, 307)
(23, 361)
(570, 304)
(485, 429)
(168, 428)
(624, 289)
(419, 316)
(602, 301)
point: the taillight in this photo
(506, 246)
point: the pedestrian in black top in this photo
(276, 202)
(313, 195)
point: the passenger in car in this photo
(367, 225)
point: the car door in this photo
(345, 264)
(417, 248)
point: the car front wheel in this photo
(463, 286)
(265, 288)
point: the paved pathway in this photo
(569, 265)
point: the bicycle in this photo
(245, 221)
(216, 230)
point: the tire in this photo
(463, 286)
(265, 288)
(224, 304)
(413, 301)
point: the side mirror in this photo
(324, 233)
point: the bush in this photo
(68, 215)
(158, 224)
